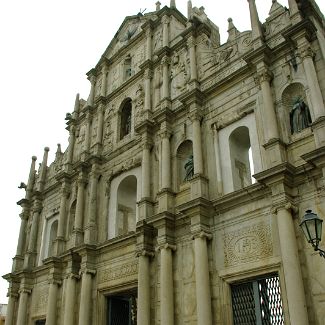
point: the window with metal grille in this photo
(121, 310)
(257, 302)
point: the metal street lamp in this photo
(311, 226)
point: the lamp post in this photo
(311, 226)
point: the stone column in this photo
(269, 117)
(165, 63)
(12, 300)
(51, 312)
(72, 139)
(147, 90)
(22, 232)
(218, 162)
(146, 170)
(99, 137)
(143, 314)
(70, 298)
(165, 160)
(78, 222)
(191, 43)
(91, 226)
(104, 81)
(88, 132)
(86, 297)
(313, 84)
(291, 267)
(62, 219)
(202, 279)
(166, 284)
(22, 308)
(165, 21)
(149, 44)
(90, 100)
(197, 143)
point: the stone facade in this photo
(152, 209)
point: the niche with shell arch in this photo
(290, 94)
(239, 145)
(125, 118)
(183, 155)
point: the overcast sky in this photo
(46, 49)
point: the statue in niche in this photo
(178, 76)
(189, 168)
(157, 83)
(299, 116)
(139, 104)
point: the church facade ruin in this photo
(188, 170)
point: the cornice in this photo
(303, 28)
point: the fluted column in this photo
(313, 84)
(166, 284)
(218, 161)
(191, 42)
(146, 170)
(147, 90)
(22, 308)
(72, 140)
(269, 118)
(78, 222)
(197, 143)
(90, 100)
(104, 81)
(143, 313)
(291, 267)
(100, 124)
(165, 20)
(86, 297)
(149, 44)
(70, 299)
(165, 63)
(11, 307)
(91, 226)
(22, 231)
(51, 312)
(165, 160)
(202, 279)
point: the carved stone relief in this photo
(157, 40)
(118, 272)
(248, 244)
(39, 301)
(139, 105)
(157, 84)
(115, 78)
(98, 86)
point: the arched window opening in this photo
(239, 143)
(185, 163)
(126, 115)
(53, 233)
(126, 205)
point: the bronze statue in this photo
(299, 116)
(189, 168)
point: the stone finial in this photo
(31, 178)
(232, 30)
(172, 3)
(58, 151)
(255, 22)
(77, 103)
(43, 168)
(158, 6)
(189, 9)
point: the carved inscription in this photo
(118, 272)
(40, 298)
(248, 244)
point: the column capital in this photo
(146, 145)
(165, 60)
(264, 75)
(191, 41)
(202, 234)
(148, 74)
(24, 215)
(306, 52)
(25, 290)
(166, 246)
(37, 206)
(52, 280)
(72, 276)
(86, 270)
(284, 205)
(196, 115)
(92, 79)
(144, 252)
(165, 133)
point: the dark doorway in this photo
(121, 310)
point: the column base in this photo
(77, 237)
(318, 128)
(199, 187)
(18, 263)
(166, 198)
(275, 152)
(90, 234)
(145, 208)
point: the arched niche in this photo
(125, 192)
(125, 118)
(53, 234)
(184, 157)
(72, 216)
